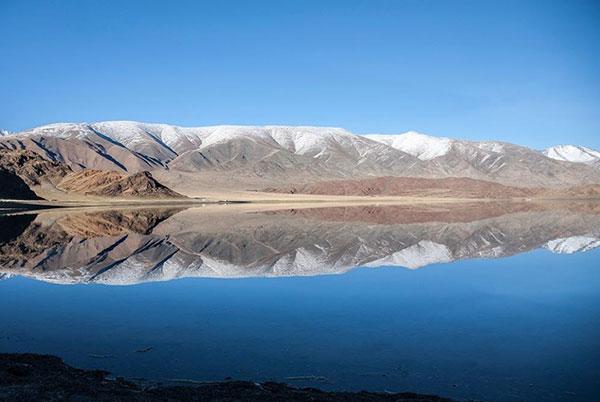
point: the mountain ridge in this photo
(293, 154)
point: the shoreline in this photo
(45, 377)
(18, 207)
(304, 198)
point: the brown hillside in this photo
(459, 187)
(115, 184)
(31, 167)
(13, 187)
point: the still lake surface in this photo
(492, 302)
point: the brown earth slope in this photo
(34, 170)
(14, 188)
(460, 187)
(115, 184)
(451, 187)
(31, 167)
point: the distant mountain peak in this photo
(422, 146)
(572, 153)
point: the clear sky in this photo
(521, 71)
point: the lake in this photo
(489, 301)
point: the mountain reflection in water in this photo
(129, 246)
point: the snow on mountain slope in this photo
(295, 153)
(496, 161)
(572, 153)
(422, 146)
(574, 244)
(284, 150)
(426, 147)
(82, 146)
(416, 256)
(297, 139)
(491, 146)
(301, 140)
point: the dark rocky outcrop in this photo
(31, 377)
(13, 187)
(115, 184)
(31, 167)
(20, 170)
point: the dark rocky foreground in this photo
(31, 377)
(13, 187)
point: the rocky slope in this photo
(115, 184)
(13, 187)
(491, 160)
(292, 155)
(23, 171)
(31, 167)
(82, 146)
(269, 150)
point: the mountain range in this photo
(188, 160)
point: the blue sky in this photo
(520, 71)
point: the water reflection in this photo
(129, 246)
(479, 327)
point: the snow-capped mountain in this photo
(264, 154)
(426, 147)
(268, 150)
(485, 160)
(573, 153)
(272, 150)
(4, 132)
(422, 146)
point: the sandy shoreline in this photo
(268, 198)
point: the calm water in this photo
(498, 303)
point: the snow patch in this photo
(416, 256)
(422, 146)
(491, 146)
(572, 153)
(570, 245)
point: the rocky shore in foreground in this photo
(32, 377)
